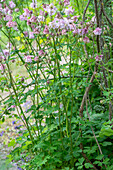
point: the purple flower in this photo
(19, 168)
(13, 122)
(17, 127)
(97, 31)
(1, 134)
(27, 105)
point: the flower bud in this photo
(22, 79)
(13, 60)
(48, 82)
(46, 14)
(60, 3)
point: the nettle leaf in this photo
(81, 160)
(106, 143)
(98, 163)
(88, 165)
(80, 167)
(106, 131)
(99, 157)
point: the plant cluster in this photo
(64, 93)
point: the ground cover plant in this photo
(56, 79)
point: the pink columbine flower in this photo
(64, 31)
(22, 18)
(33, 26)
(26, 13)
(6, 53)
(28, 58)
(97, 31)
(36, 31)
(36, 58)
(75, 18)
(93, 19)
(75, 32)
(28, 22)
(33, 19)
(46, 30)
(41, 52)
(2, 67)
(8, 18)
(31, 35)
(66, 2)
(69, 11)
(98, 57)
(17, 10)
(50, 9)
(6, 10)
(25, 33)
(33, 5)
(9, 45)
(13, 106)
(12, 4)
(40, 18)
(84, 31)
(86, 40)
(11, 24)
(41, 12)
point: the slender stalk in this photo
(71, 91)
(11, 80)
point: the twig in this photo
(94, 132)
(86, 9)
(85, 95)
(110, 22)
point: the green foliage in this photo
(47, 93)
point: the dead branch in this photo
(86, 10)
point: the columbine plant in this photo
(51, 45)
